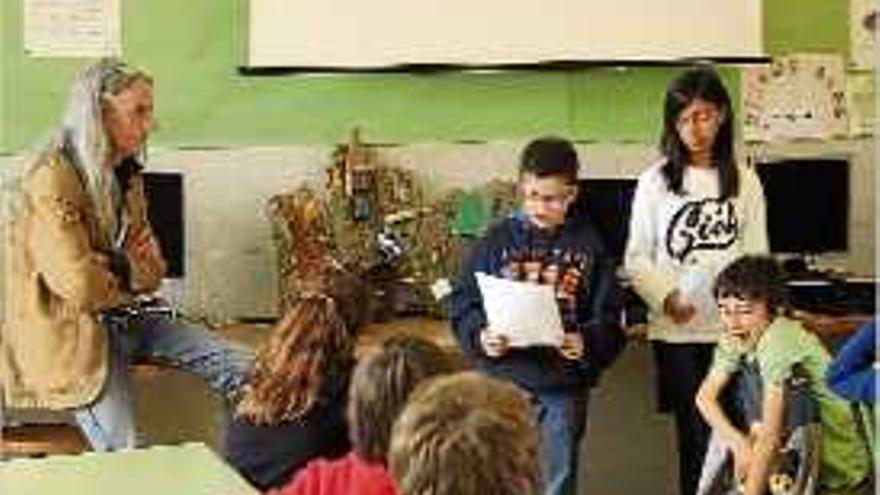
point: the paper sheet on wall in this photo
(862, 98)
(72, 28)
(863, 32)
(797, 96)
(526, 313)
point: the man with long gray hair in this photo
(83, 254)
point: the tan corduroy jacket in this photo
(53, 351)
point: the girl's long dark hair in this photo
(309, 343)
(698, 83)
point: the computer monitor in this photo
(807, 204)
(607, 203)
(164, 193)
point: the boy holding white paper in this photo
(542, 244)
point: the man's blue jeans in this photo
(562, 417)
(108, 422)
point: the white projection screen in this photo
(364, 34)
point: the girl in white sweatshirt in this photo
(693, 212)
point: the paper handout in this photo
(526, 313)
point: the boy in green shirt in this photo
(751, 299)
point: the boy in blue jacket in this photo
(855, 370)
(542, 243)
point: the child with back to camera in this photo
(293, 406)
(466, 433)
(380, 387)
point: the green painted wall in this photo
(806, 26)
(193, 48)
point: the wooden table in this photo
(831, 329)
(188, 469)
(832, 326)
(369, 337)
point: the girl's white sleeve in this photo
(754, 240)
(652, 282)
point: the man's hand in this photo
(143, 245)
(679, 311)
(572, 346)
(145, 257)
(101, 259)
(494, 344)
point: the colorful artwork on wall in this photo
(801, 96)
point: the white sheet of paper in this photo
(696, 288)
(72, 28)
(526, 313)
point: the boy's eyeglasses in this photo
(555, 200)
